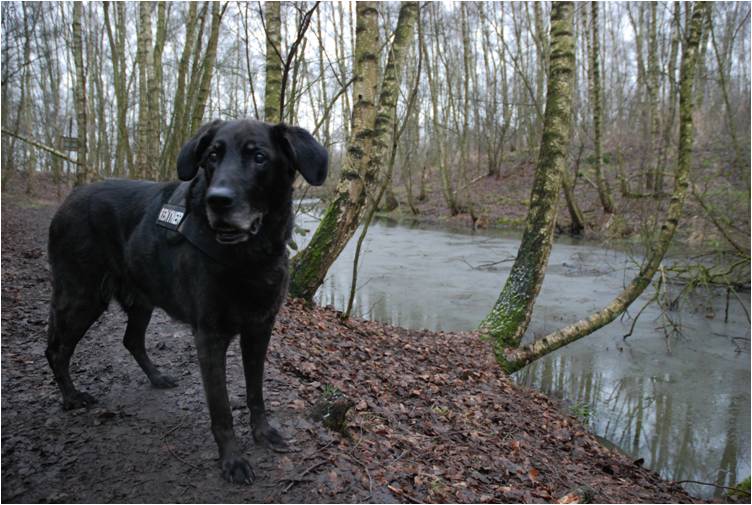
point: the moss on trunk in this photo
(367, 147)
(510, 316)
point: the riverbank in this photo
(433, 420)
(502, 202)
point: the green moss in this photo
(741, 491)
(502, 324)
(582, 411)
(307, 266)
(505, 221)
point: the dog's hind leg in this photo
(70, 317)
(134, 341)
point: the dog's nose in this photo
(220, 198)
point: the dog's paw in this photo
(268, 436)
(238, 471)
(78, 400)
(162, 381)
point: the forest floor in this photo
(433, 420)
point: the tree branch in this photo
(41, 146)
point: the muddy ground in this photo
(433, 420)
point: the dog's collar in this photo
(174, 215)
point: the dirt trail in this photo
(434, 420)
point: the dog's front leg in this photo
(254, 341)
(212, 350)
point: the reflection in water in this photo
(683, 407)
(678, 433)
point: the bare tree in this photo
(82, 175)
(510, 315)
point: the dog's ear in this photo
(191, 153)
(308, 156)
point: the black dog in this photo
(211, 252)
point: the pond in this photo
(680, 403)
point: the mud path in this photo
(138, 444)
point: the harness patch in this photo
(170, 216)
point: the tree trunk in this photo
(24, 112)
(123, 157)
(207, 67)
(668, 127)
(195, 74)
(273, 89)
(541, 57)
(513, 359)
(103, 167)
(324, 97)
(653, 72)
(438, 135)
(642, 87)
(604, 192)
(368, 145)
(567, 184)
(154, 63)
(176, 134)
(510, 316)
(82, 173)
(340, 52)
(143, 58)
(467, 75)
(739, 161)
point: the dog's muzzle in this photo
(227, 234)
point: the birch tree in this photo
(273, 87)
(82, 175)
(371, 128)
(604, 192)
(513, 357)
(510, 316)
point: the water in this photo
(682, 404)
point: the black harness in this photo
(174, 216)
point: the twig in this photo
(744, 307)
(370, 480)
(318, 450)
(171, 430)
(470, 183)
(486, 265)
(179, 458)
(300, 202)
(400, 492)
(330, 105)
(41, 146)
(397, 458)
(169, 448)
(711, 484)
(717, 224)
(300, 477)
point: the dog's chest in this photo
(246, 297)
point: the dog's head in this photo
(249, 168)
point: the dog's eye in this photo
(259, 157)
(213, 156)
